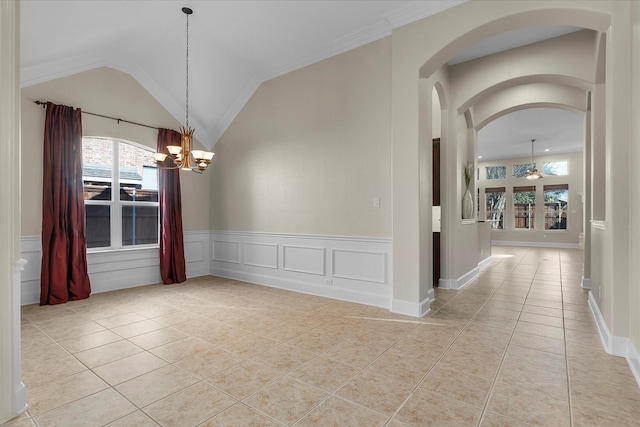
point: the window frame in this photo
(488, 175)
(552, 188)
(116, 205)
(545, 168)
(531, 211)
(488, 212)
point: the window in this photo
(496, 172)
(556, 168)
(520, 171)
(556, 199)
(128, 217)
(524, 207)
(496, 199)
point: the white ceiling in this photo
(555, 130)
(235, 46)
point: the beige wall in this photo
(109, 92)
(634, 294)
(539, 235)
(310, 151)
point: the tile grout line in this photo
(421, 381)
(495, 380)
(566, 352)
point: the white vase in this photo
(467, 205)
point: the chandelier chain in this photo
(187, 61)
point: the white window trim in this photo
(115, 204)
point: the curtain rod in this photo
(44, 104)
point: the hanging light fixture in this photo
(183, 155)
(533, 173)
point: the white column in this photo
(13, 400)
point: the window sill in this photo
(118, 250)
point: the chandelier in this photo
(184, 156)
(533, 173)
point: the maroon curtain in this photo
(172, 264)
(63, 275)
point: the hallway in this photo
(516, 347)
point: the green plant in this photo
(468, 173)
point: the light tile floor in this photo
(515, 347)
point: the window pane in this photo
(495, 209)
(97, 155)
(556, 168)
(98, 226)
(524, 206)
(520, 171)
(97, 190)
(138, 174)
(496, 172)
(555, 209)
(139, 225)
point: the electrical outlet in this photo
(599, 292)
(376, 202)
(328, 282)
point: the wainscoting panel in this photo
(263, 255)
(197, 252)
(226, 251)
(300, 259)
(346, 268)
(351, 269)
(31, 250)
(112, 270)
(359, 265)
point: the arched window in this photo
(129, 216)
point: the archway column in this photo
(13, 400)
(412, 240)
(614, 304)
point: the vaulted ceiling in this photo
(233, 45)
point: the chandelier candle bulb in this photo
(174, 150)
(159, 157)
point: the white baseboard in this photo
(346, 268)
(485, 262)
(615, 345)
(535, 244)
(586, 283)
(459, 283)
(431, 295)
(409, 308)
